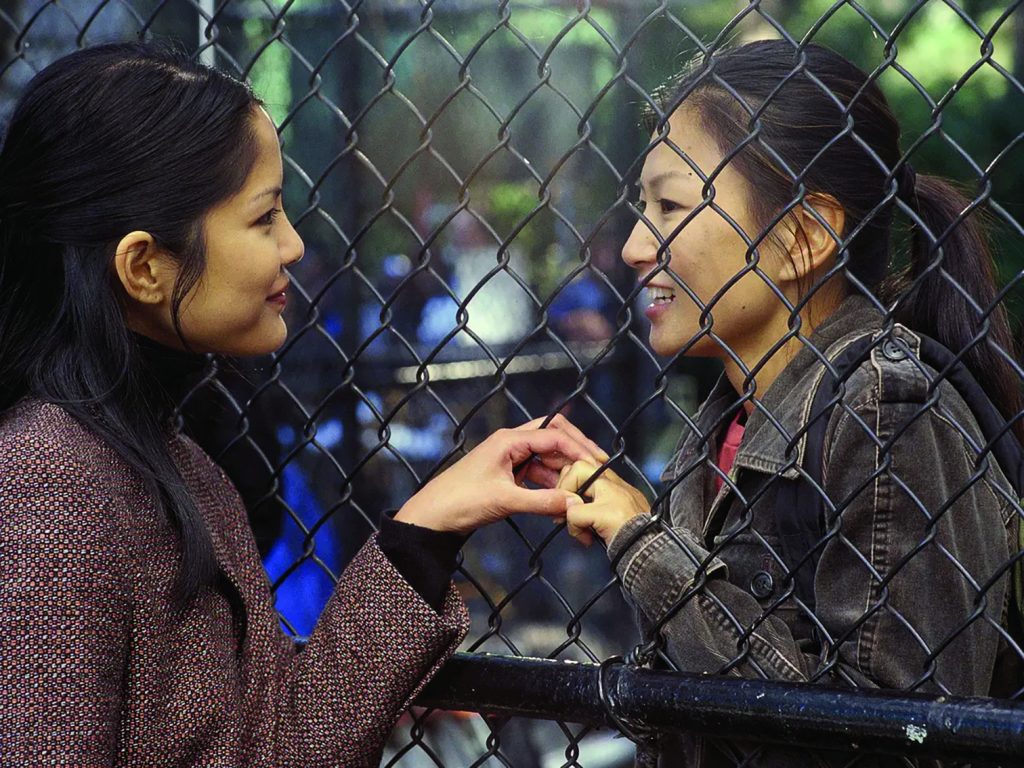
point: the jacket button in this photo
(762, 585)
(892, 351)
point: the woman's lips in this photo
(654, 311)
(279, 299)
(659, 300)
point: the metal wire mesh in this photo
(461, 174)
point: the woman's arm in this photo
(379, 640)
(376, 644)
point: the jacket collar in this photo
(768, 444)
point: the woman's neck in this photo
(168, 373)
(767, 364)
(766, 374)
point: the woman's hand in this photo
(481, 488)
(614, 502)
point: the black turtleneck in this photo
(168, 373)
(426, 558)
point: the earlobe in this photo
(142, 268)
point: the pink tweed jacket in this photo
(96, 670)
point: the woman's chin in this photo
(270, 344)
(665, 343)
(704, 346)
(256, 345)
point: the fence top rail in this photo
(793, 714)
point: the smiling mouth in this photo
(660, 296)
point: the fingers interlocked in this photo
(613, 501)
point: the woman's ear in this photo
(145, 271)
(812, 234)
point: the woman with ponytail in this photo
(141, 227)
(767, 239)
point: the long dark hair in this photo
(814, 115)
(105, 141)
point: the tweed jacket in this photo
(96, 669)
(909, 589)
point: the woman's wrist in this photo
(413, 513)
(426, 558)
(611, 527)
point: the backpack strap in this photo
(1005, 447)
(799, 506)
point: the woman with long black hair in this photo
(141, 226)
(768, 197)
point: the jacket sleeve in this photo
(919, 535)
(377, 643)
(64, 608)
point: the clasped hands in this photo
(483, 487)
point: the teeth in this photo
(659, 295)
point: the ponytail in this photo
(950, 257)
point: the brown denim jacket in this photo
(900, 589)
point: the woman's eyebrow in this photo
(274, 191)
(660, 178)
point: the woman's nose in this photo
(292, 249)
(641, 248)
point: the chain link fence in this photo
(462, 174)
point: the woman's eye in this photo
(664, 207)
(268, 218)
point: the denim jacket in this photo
(919, 534)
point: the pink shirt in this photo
(730, 445)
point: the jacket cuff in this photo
(657, 565)
(426, 558)
(375, 617)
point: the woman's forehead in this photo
(669, 162)
(267, 169)
(684, 155)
